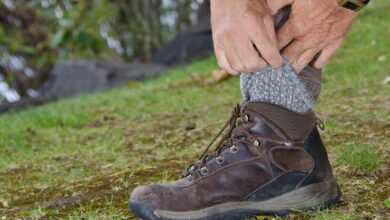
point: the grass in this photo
(334, 215)
(387, 202)
(79, 158)
(359, 158)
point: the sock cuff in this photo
(280, 86)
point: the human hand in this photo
(244, 35)
(314, 27)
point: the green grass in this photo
(387, 202)
(334, 215)
(80, 158)
(364, 158)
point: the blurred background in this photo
(50, 49)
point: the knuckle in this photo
(223, 32)
(224, 66)
(232, 31)
(270, 52)
(253, 14)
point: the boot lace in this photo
(226, 141)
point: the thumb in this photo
(326, 54)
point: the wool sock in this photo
(280, 86)
(283, 86)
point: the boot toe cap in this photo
(145, 194)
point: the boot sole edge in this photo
(289, 202)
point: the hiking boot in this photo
(271, 160)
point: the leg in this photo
(270, 161)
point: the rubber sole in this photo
(312, 197)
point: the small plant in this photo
(359, 158)
(387, 202)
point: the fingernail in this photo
(279, 64)
(301, 63)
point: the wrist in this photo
(343, 5)
(354, 5)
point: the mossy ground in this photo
(79, 158)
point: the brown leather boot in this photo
(271, 161)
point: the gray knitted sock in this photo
(280, 86)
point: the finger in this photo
(270, 27)
(250, 58)
(267, 48)
(326, 54)
(247, 53)
(284, 35)
(294, 50)
(304, 60)
(222, 61)
(231, 54)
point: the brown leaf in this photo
(386, 80)
(218, 75)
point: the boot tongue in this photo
(238, 132)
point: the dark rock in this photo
(190, 126)
(185, 47)
(195, 42)
(72, 77)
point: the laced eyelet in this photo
(256, 143)
(219, 160)
(204, 171)
(234, 149)
(245, 118)
(189, 178)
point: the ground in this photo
(79, 158)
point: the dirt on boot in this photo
(271, 160)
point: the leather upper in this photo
(255, 153)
